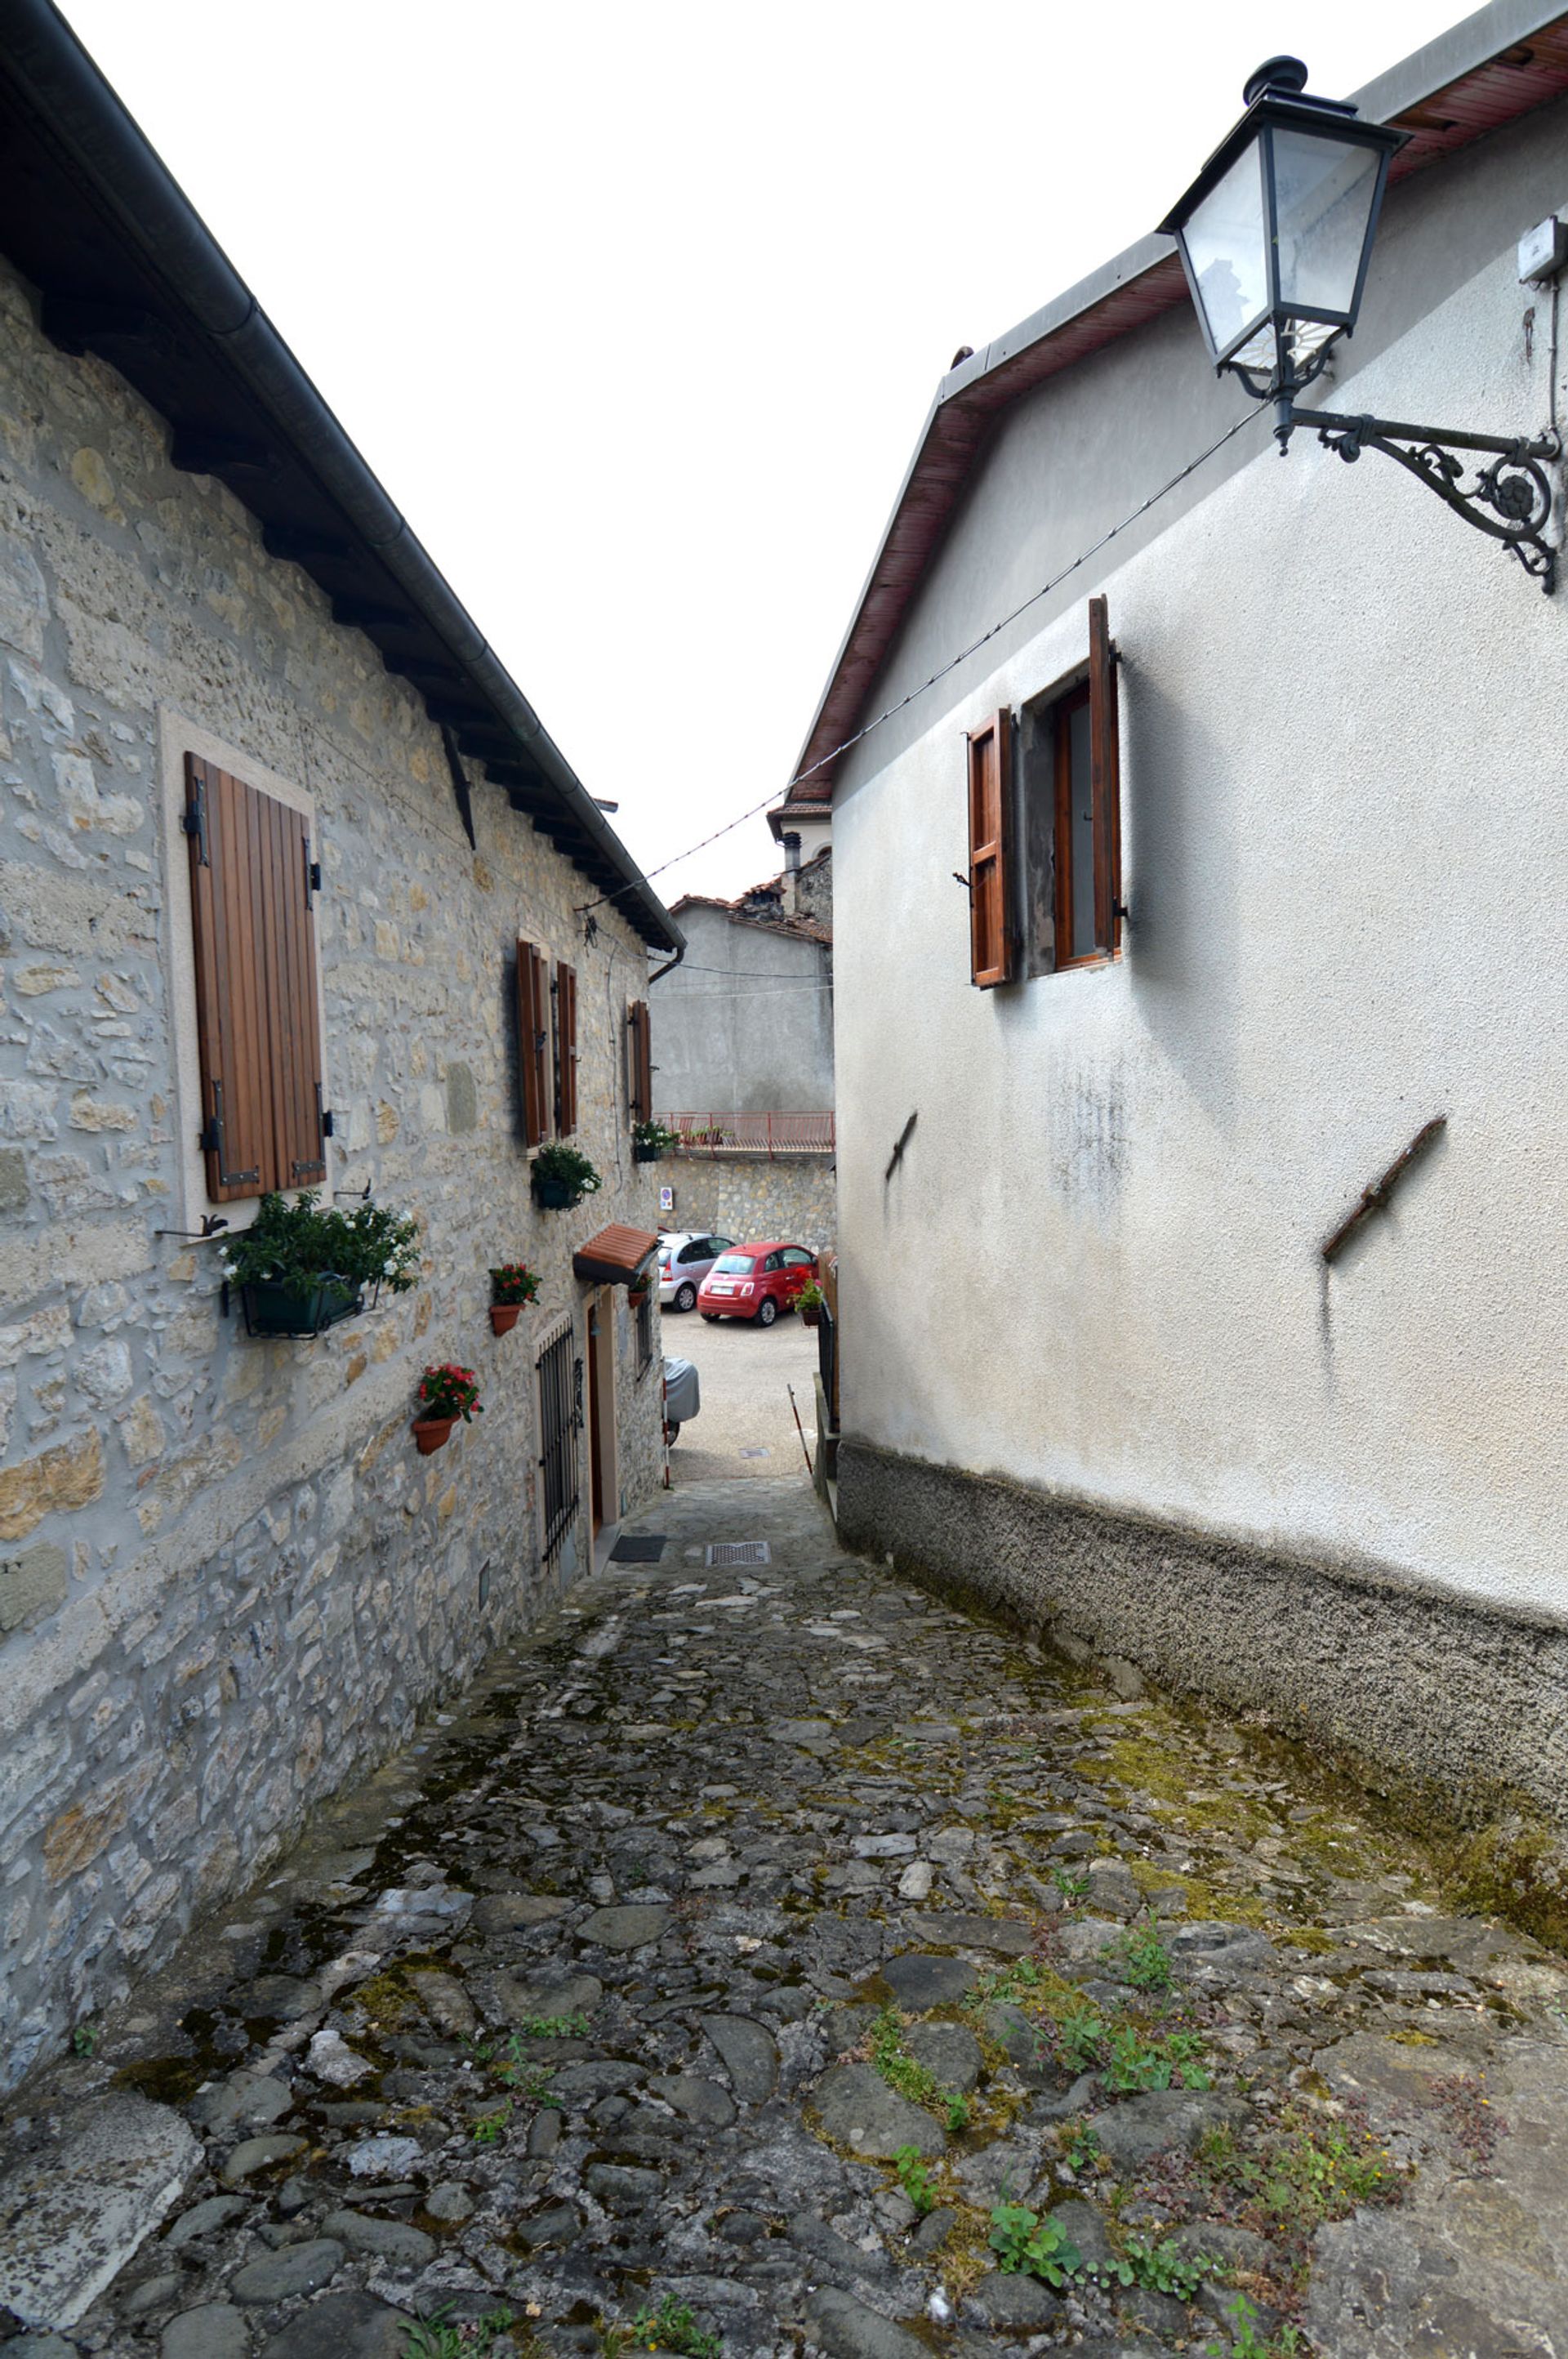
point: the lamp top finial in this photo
(1286, 74)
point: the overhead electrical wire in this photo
(647, 875)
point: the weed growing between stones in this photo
(1131, 2061)
(1465, 2105)
(671, 2325)
(1145, 1959)
(1312, 2168)
(1027, 2245)
(440, 2338)
(908, 2078)
(915, 2179)
(489, 2129)
(1248, 2343)
(554, 2027)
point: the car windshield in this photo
(735, 1265)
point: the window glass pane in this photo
(1081, 836)
(1324, 192)
(1226, 243)
(735, 1265)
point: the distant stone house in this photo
(1166, 919)
(295, 890)
(744, 1062)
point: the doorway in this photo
(604, 1489)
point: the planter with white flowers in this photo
(300, 1268)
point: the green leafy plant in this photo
(1133, 2064)
(438, 2338)
(810, 1296)
(1080, 2145)
(84, 2039)
(554, 2027)
(1071, 1886)
(651, 1139)
(1247, 2343)
(1080, 2036)
(295, 1246)
(560, 1167)
(914, 2177)
(489, 2129)
(449, 1391)
(955, 2109)
(908, 2076)
(1147, 1960)
(1160, 2267)
(1027, 2245)
(671, 2325)
(513, 1281)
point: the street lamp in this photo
(1275, 235)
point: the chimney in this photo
(792, 873)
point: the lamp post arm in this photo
(1511, 500)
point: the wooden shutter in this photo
(1105, 780)
(640, 1061)
(566, 1048)
(533, 1042)
(257, 1006)
(990, 853)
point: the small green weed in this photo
(436, 2338)
(671, 2325)
(1071, 1887)
(1133, 2064)
(914, 2177)
(1315, 2169)
(911, 2079)
(490, 2128)
(84, 2039)
(1029, 2246)
(1247, 2343)
(1159, 2267)
(1080, 2145)
(1080, 2036)
(1147, 1959)
(554, 2027)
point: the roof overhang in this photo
(125, 268)
(1482, 74)
(615, 1257)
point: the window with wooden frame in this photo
(639, 1063)
(533, 1068)
(258, 1014)
(566, 1049)
(1070, 836)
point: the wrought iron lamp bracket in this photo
(1510, 499)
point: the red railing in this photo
(753, 1134)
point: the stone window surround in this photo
(179, 735)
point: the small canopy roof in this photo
(615, 1256)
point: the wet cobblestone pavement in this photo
(771, 1956)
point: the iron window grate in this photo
(738, 1552)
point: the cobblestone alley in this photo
(773, 1956)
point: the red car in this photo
(755, 1282)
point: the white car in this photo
(685, 1259)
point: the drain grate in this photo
(738, 1552)
(638, 1547)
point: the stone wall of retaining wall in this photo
(1416, 1688)
(743, 1196)
(228, 1583)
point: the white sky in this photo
(637, 311)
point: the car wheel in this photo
(767, 1311)
(686, 1297)
(712, 1317)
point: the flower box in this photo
(272, 1308)
(554, 1195)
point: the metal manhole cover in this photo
(738, 1552)
(638, 1547)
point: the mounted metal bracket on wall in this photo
(1374, 1197)
(460, 784)
(1511, 499)
(212, 1225)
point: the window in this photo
(773, 1261)
(734, 1264)
(794, 1258)
(264, 1121)
(533, 1042)
(639, 1063)
(1062, 905)
(566, 1049)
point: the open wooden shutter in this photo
(533, 1042)
(990, 852)
(566, 1048)
(640, 1061)
(258, 1010)
(1105, 780)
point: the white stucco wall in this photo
(1096, 1266)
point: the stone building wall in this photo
(745, 1196)
(228, 1583)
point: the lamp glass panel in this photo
(1227, 250)
(1323, 201)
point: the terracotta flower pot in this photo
(504, 1316)
(811, 1314)
(636, 1296)
(433, 1433)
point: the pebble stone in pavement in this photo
(784, 1946)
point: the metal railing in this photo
(753, 1134)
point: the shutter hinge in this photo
(324, 1116)
(210, 1137)
(195, 820)
(312, 872)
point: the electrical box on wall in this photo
(1544, 250)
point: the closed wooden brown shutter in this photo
(990, 853)
(566, 1049)
(640, 1061)
(533, 1042)
(1105, 780)
(258, 1009)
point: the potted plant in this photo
(650, 1140)
(446, 1394)
(637, 1292)
(562, 1177)
(299, 1268)
(512, 1286)
(809, 1302)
